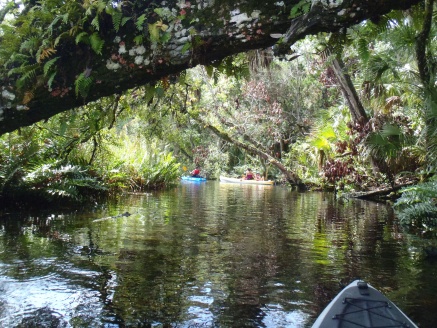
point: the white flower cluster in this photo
(328, 3)
(7, 95)
(255, 14)
(240, 18)
(168, 14)
(122, 49)
(112, 65)
(137, 52)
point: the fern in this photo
(83, 85)
(59, 37)
(50, 80)
(28, 74)
(17, 59)
(116, 20)
(417, 204)
(100, 5)
(53, 181)
(44, 53)
(377, 66)
(82, 37)
(125, 20)
(96, 43)
(95, 23)
(28, 96)
(140, 21)
(363, 49)
(63, 18)
(30, 45)
(48, 65)
(8, 174)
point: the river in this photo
(206, 254)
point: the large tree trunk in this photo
(355, 105)
(195, 32)
(427, 65)
(349, 92)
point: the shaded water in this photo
(206, 255)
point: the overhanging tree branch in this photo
(291, 177)
(141, 42)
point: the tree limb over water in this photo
(60, 56)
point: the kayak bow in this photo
(361, 305)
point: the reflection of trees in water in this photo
(255, 235)
(231, 253)
(360, 240)
(254, 263)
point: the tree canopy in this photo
(58, 55)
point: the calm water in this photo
(206, 255)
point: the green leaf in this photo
(150, 93)
(60, 36)
(50, 80)
(154, 32)
(209, 70)
(186, 47)
(301, 8)
(138, 39)
(125, 20)
(95, 23)
(49, 64)
(363, 49)
(391, 130)
(96, 43)
(165, 37)
(116, 20)
(159, 11)
(83, 85)
(28, 73)
(82, 37)
(140, 21)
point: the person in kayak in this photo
(258, 177)
(195, 173)
(249, 175)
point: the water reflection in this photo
(210, 255)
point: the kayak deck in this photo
(242, 181)
(361, 305)
(193, 178)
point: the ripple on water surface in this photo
(205, 255)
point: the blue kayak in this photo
(197, 179)
(361, 305)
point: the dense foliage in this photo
(417, 206)
(293, 118)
